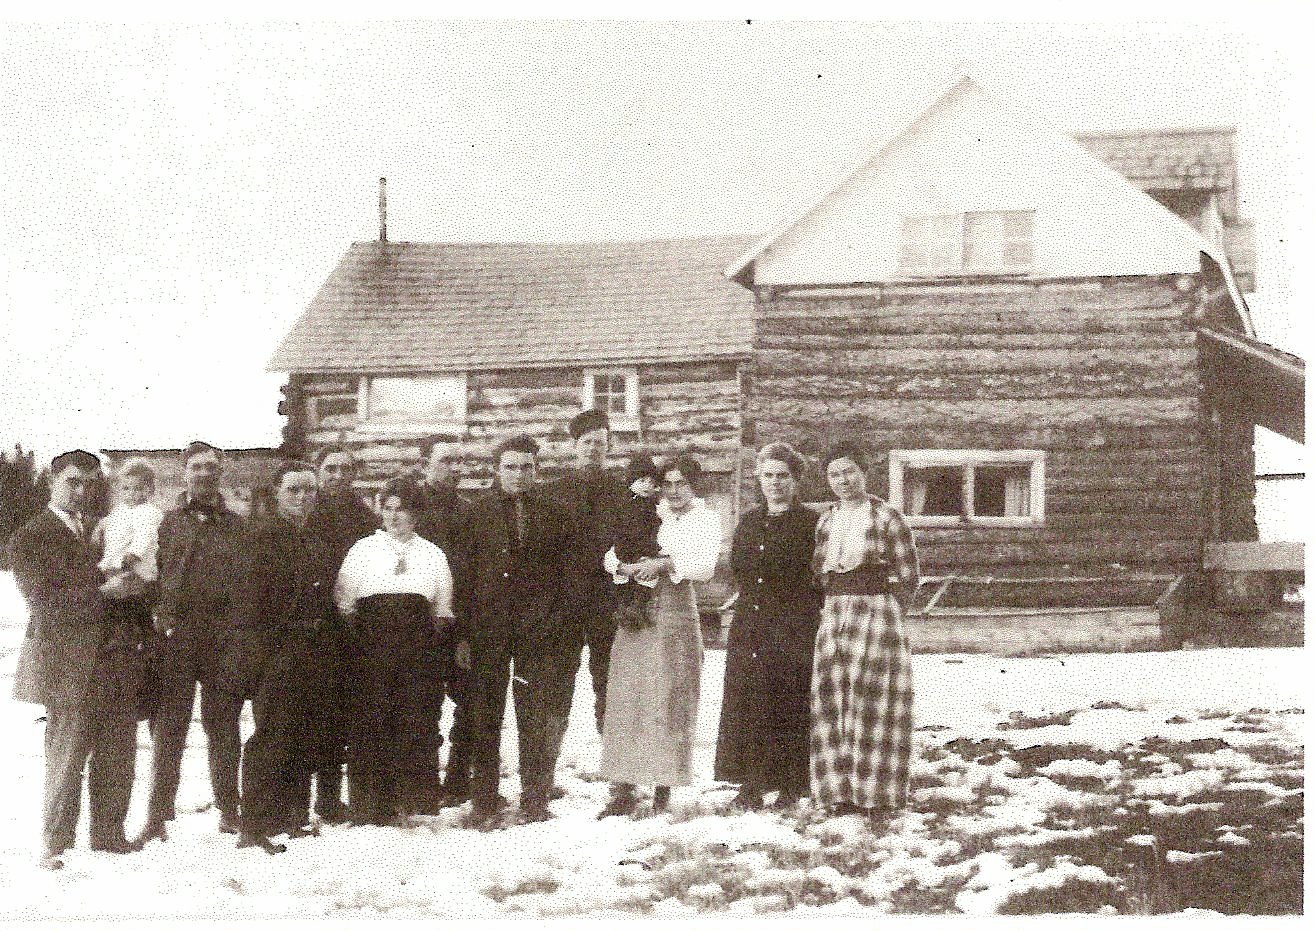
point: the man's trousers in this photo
(74, 736)
(228, 664)
(542, 677)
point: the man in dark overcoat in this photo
(516, 630)
(201, 639)
(292, 575)
(593, 497)
(339, 519)
(442, 521)
(84, 667)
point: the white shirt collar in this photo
(71, 520)
(664, 510)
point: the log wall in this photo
(1101, 374)
(683, 407)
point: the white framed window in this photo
(410, 402)
(616, 393)
(326, 411)
(952, 487)
(981, 242)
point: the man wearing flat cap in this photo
(84, 666)
(592, 497)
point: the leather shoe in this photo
(302, 830)
(485, 815)
(52, 863)
(747, 800)
(252, 839)
(621, 805)
(119, 845)
(533, 812)
(154, 830)
(229, 824)
(556, 793)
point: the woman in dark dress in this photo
(396, 589)
(762, 742)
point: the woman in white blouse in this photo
(653, 683)
(396, 589)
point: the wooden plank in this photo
(784, 362)
(1255, 557)
(813, 426)
(1060, 552)
(878, 415)
(815, 335)
(846, 384)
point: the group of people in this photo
(346, 626)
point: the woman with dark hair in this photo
(653, 683)
(762, 741)
(862, 694)
(396, 587)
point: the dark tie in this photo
(520, 519)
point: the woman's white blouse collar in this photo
(664, 509)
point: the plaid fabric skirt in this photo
(862, 704)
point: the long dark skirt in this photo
(394, 739)
(762, 740)
(293, 711)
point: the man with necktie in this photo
(85, 667)
(514, 630)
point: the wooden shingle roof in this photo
(1172, 159)
(411, 306)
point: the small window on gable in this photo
(978, 242)
(948, 487)
(616, 393)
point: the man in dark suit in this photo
(516, 538)
(339, 519)
(86, 669)
(202, 639)
(442, 522)
(593, 498)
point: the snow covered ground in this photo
(1142, 783)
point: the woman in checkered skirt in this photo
(862, 695)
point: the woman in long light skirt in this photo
(653, 682)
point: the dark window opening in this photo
(934, 492)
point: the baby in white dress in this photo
(130, 532)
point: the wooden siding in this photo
(1103, 375)
(683, 407)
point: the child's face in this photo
(644, 486)
(135, 490)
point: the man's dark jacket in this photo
(592, 499)
(516, 590)
(340, 521)
(291, 574)
(443, 522)
(202, 555)
(69, 651)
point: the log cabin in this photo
(1042, 339)
(1056, 376)
(476, 341)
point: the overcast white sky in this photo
(171, 196)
